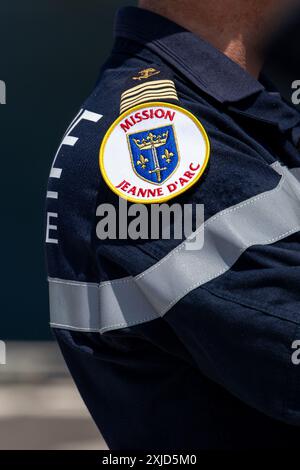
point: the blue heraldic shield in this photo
(154, 153)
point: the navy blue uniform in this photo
(172, 349)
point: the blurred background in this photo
(50, 55)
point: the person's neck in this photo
(235, 33)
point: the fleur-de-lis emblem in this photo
(168, 156)
(142, 161)
(154, 153)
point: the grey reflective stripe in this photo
(261, 220)
(74, 304)
(92, 307)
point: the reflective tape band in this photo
(261, 220)
(97, 308)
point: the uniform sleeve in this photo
(151, 322)
(233, 303)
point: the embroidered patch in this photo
(146, 73)
(153, 153)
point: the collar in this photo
(205, 66)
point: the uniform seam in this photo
(128, 324)
(253, 305)
(116, 281)
(73, 328)
(72, 283)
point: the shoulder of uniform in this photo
(127, 86)
(155, 147)
(151, 83)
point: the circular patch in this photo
(153, 153)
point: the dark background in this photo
(50, 55)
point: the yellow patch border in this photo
(123, 116)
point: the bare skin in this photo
(238, 28)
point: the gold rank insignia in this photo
(146, 73)
(155, 90)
